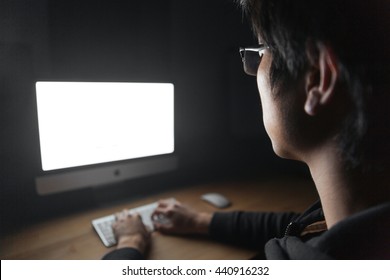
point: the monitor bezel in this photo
(102, 174)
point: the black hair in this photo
(358, 31)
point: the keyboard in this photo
(103, 225)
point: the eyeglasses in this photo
(251, 58)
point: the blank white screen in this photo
(82, 123)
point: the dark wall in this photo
(193, 44)
(111, 40)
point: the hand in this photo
(181, 219)
(130, 231)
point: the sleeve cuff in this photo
(124, 254)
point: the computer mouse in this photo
(216, 199)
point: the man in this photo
(322, 73)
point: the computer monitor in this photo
(97, 133)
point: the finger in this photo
(137, 216)
(121, 216)
(117, 221)
(167, 202)
(162, 203)
(161, 210)
(165, 229)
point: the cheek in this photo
(271, 114)
(275, 113)
(274, 123)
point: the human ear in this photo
(321, 78)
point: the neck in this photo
(342, 194)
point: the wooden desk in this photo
(73, 237)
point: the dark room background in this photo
(193, 44)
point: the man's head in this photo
(335, 53)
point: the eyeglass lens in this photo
(251, 61)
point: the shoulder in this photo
(364, 235)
